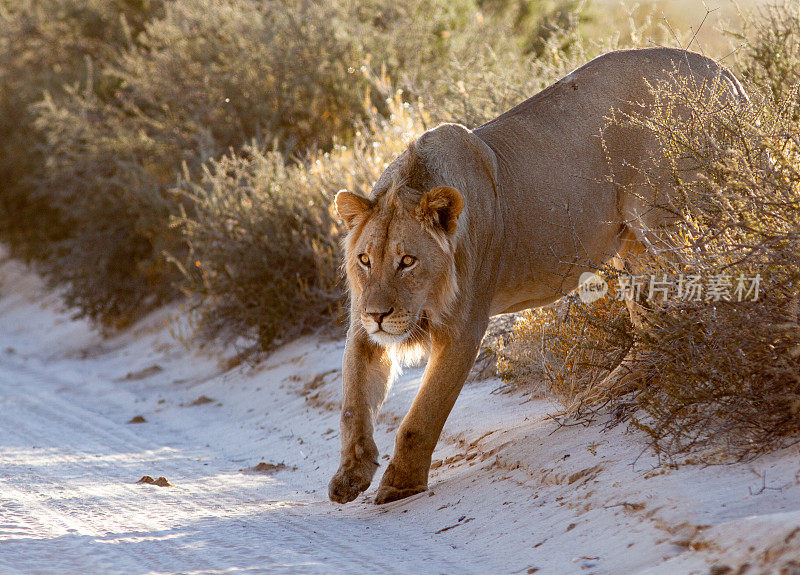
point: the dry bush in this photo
(184, 85)
(717, 370)
(140, 94)
(261, 260)
(44, 45)
(713, 369)
(198, 81)
(721, 368)
(771, 58)
(485, 80)
(243, 233)
(566, 348)
(264, 257)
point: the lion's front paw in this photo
(387, 493)
(399, 485)
(350, 480)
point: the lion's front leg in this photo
(448, 368)
(365, 383)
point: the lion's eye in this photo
(407, 261)
(364, 259)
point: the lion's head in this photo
(400, 259)
(406, 241)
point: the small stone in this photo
(142, 373)
(202, 400)
(268, 468)
(161, 481)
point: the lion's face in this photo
(399, 259)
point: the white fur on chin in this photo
(385, 339)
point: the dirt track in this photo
(69, 501)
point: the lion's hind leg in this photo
(630, 260)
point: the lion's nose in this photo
(379, 316)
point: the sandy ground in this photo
(510, 492)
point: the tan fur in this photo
(500, 218)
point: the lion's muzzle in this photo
(387, 327)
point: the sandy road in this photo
(69, 502)
(512, 492)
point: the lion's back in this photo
(562, 162)
(613, 79)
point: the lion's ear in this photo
(351, 207)
(442, 206)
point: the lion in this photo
(466, 224)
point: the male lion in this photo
(466, 224)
